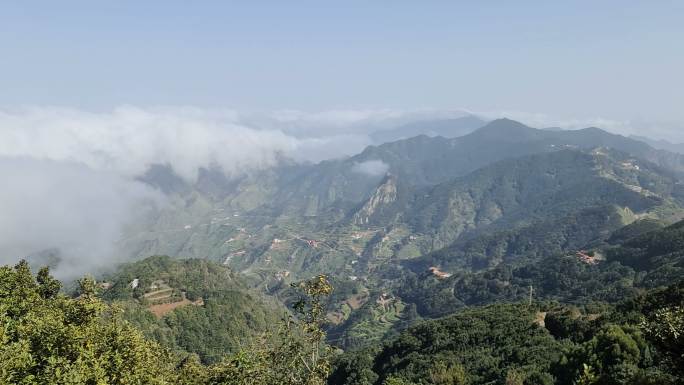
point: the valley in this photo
(505, 227)
(417, 240)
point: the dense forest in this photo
(637, 341)
(197, 306)
(50, 338)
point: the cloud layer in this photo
(68, 207)
(371, 168)
(128, 140)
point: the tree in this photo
(449, 374)
(49, 338)
(665, 328)
(296, 355)
(392, 380)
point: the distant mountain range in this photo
(661, 144)
(447, 128)
(419, 195)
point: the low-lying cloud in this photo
(371, 168)
(128, 140)
(67, 207)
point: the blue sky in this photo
(572, 60)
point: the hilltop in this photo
(191, 305)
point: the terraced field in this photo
(161, 310)
(163, 299)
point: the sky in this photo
(581, 60)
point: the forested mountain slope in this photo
(191, 305)
(314, 201)
(425, 160)
(50, 338)
(420, 228)
(638, 257)
(611, 318)
(47, 337)
(538, 343)
(553, 201)
(648, 260)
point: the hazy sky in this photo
(619, 60)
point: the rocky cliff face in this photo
(384, 194)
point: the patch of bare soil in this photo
(162, 309)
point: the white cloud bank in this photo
(128, 140)
(371, 168)
(68, 207)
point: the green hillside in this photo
(648, 260)
(583, 319)
(191, 306)
(542, 186)
(542, 343)
(47, 337)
